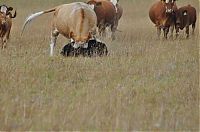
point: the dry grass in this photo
(144, 84)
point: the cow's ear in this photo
(185, 13)
(10, 9)
(98, 4)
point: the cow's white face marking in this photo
(4, 9)
(167, 1)
(114, 2)
(91, 6)
(185, 13)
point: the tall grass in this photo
(144, 83)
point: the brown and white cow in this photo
(106, 15)
(76, 21)
(5, 24)
(185, 16)
(162, 14)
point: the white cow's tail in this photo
(33, 16)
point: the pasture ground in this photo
(144, 83)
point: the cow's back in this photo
(61, 19)
(76, 17)
(190, 18)
(192, 14)
(106, 12)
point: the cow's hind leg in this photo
(177, 31)
(187, 31)
(171, 31)
(113, 29)
(102, 31)
(54, 36)
(166, 31)
(193, 27)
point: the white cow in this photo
(76, 21)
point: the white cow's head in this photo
(5, 9)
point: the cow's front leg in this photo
(4, 42)
(177, 32)
(102, 31)
(187, 31)
(5, 39)
(113, 29)
(54, 36)
(171, 31)
(158, 32)
(166, 30)
(193, 27)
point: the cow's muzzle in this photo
(169, 11)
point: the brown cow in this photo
(106, 15)
(5, 24)
(76, 21)
(185, 16)
(162, 15)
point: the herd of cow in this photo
(166, 15)
(81, 22)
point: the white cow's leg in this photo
(54, 35)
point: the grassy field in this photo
(144, 83)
